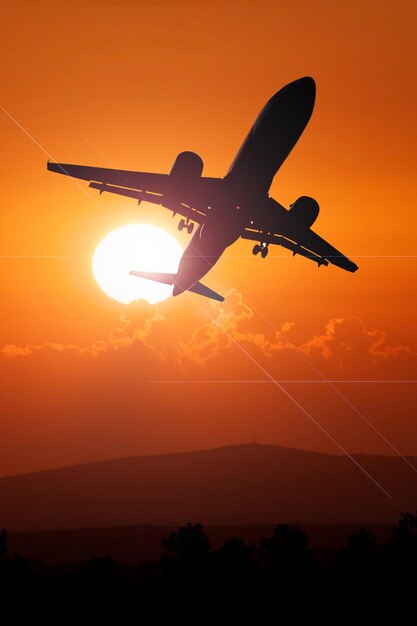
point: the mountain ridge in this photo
(188, 452)
(238, 484)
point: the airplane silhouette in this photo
(237, 205)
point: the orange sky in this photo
(140, 84)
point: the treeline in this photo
(280, 568)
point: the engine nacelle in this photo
(187, 165)
(304, 211)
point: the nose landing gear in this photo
(186, 224)
(261, 248)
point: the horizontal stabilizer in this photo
(169, 279)
(158, 277)
(202, 290)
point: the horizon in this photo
(203, 450)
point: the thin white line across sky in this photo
(83, 189)
(229, 256)
(290, 397)
(287, 382)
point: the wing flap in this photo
(308, 244)
(129, 193)
(310, 240)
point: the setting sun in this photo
(135, 247)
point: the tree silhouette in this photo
(189, 542)
(3, 545)
(360, 551)
(285, 552)
(281, 573)
(186, 554)
(235, 560)
(102, 568)
(406, 531)
(403, 545)
(99, 579)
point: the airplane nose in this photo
(302, 89)
(306, 84)
(305, 89)
(299, 90)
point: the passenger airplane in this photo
(237, 205)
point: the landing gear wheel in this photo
(190, 228)
(264, 252)
(181, 225)
(256, 249)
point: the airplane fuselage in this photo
(226, 221)
(222, 227)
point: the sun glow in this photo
(135, 247)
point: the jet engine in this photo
(187, 165)
(304, 211)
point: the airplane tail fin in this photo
(169, 279)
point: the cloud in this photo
(211, 339)
(136, 325)
(225, 328)
(286, 327)
(344, 342)
(345, 339)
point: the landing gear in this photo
(261, 248)
(186, 224)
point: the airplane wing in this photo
(306, 243)
(154, 183)
(142, 186)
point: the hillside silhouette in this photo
(234, 485)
